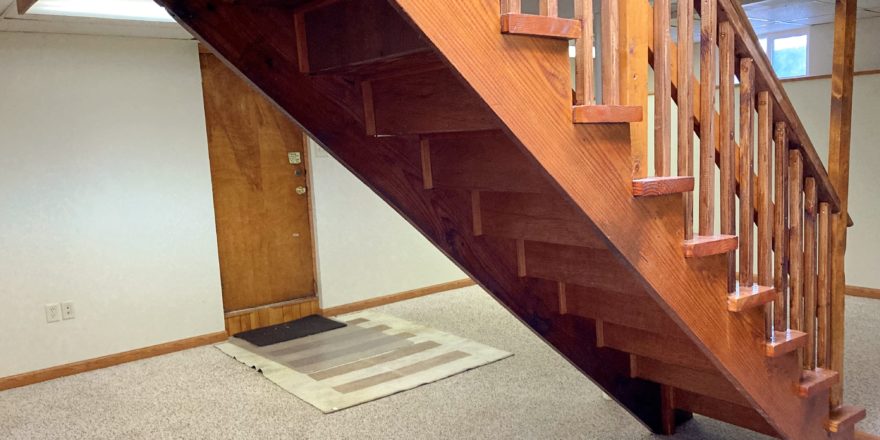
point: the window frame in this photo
(771, 38)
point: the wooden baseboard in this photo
(865, 436)
(33, 377)
(393, 298)
(264, 316)
(864, 292)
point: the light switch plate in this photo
(294, 157)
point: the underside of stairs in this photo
(467, 132)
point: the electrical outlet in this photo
(53, 312)
(67, 310)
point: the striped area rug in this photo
(375, 356)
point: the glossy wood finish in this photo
(746, 170)
(705, 246)
(688, 379)
(609, 16)
(746, 298)
(662, 91)
(635, 35)
(583, 62)
(796, 237)
(784, 343)
(598, 114)
(264, 232)
(747, 45)
(816, 381)
(840, 134)
(765, 219)
(844, 417)
(726, 134)
(590, 166)
(780, 224)
(724, 411)
(684, 99)
(824, 286)
(659, 186)
(811, 210)
(540, 26)
(708, 48)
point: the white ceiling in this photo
(10, 20)
(768, 16)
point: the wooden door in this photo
(261, 199)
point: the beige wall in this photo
(365, 248)
(105, 198)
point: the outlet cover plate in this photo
(67, 311)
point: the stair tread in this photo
(702, 246)
(749, 297)
(785, 342)
(540, 26)
(814, 381)
(598, 114)
(658, 186)
(844, 417)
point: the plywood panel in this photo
(263, 230)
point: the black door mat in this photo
(290, 330)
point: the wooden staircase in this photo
(460, 115)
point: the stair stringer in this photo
(257, 42)
(526, 83)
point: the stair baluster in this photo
(685, 95)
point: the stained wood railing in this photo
(767, 161)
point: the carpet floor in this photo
(204, 394)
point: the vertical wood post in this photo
(780, 229)
(707, 116)
(686, 109)
(662, 91)
(824, 289)
(583, 63)
(610, 19)
(811, 209)
(726, 63)
(765, 219)
(838, 173)
(746, 131)
(635, 33)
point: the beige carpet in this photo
(204, 394)
(375, 356)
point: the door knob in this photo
(300, 190)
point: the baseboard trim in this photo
(20, 380)
(864, 292)
(393, 298)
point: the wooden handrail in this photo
(747, 46)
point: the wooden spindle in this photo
(511, 6)
(726, 61)
(583, 63)
(795, 237)
(765, 220)
(746, 210)
(707, 117)
(550, 8)
(780, 228)
(824, 284)
(811, 209)
(610, 19)
(662, 91)
(686, 110)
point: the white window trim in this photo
(773, 36)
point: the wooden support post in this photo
(635, 34)
(795, 237)
(824, 289)
(811, 211)
(550, 8)
(707, 116)
(662, 91)
(727, 196)
(583, 63)
(765, 174)
(511, 7)
(746, 131)
(610, 20)
(838, 173)
(686, 110)
(780, 229)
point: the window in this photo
(788, 53)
